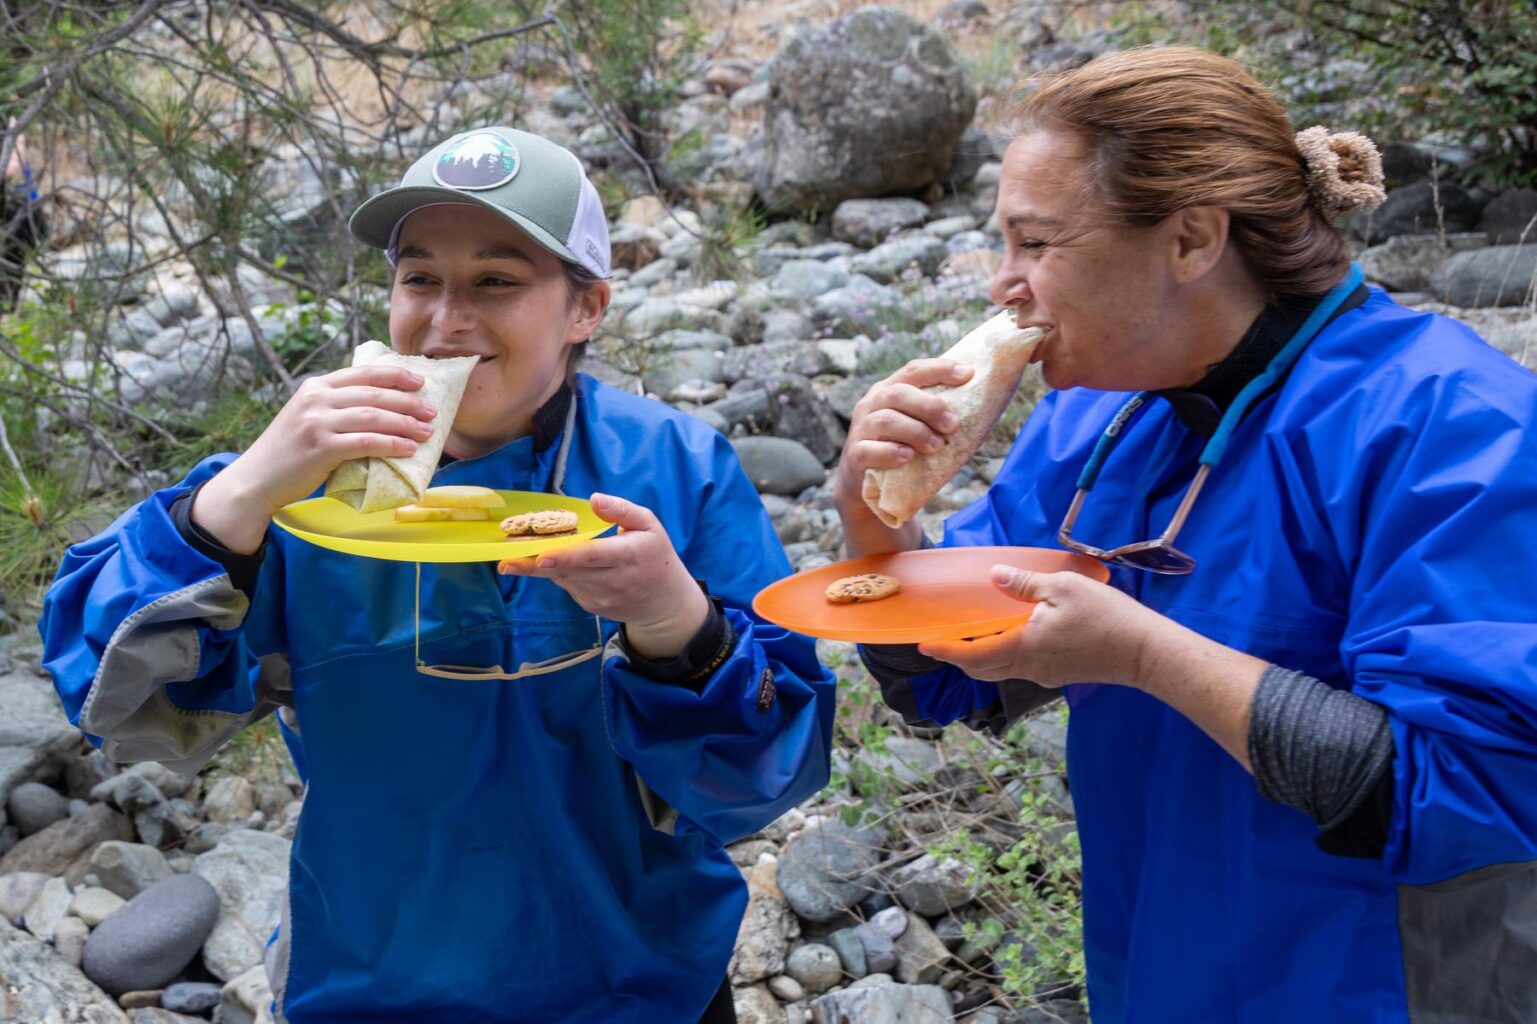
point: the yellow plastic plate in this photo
(332, 524)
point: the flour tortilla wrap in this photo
(998, 351)
(372, 484)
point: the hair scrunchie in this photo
(1344, 170)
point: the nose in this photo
(1010, 286)
(453, 313)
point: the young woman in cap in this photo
(1309, 793)
(541, 850)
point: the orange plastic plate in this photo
(332, 524)
(947, 594)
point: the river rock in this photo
(128, 868)
(777, 465)
(828, 869)
(815, 966)
(149, 942)
(64, 847)
(36, 740)
(34, 806)
(931, 886)
(882, 1004)
(17, 891)
(41, 985)
(847, 99)
(1502, 275)
(249, 871)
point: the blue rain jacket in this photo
(1374, 524)
(538, 850)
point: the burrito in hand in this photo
(373, 484)
(999, 351)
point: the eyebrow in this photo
(495, 252)
(1016, 219)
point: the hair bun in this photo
(1344, 170)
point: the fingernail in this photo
(432, 410)
(960, 371)
(417, 378)
(949, 421)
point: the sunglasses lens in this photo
(1161, 560)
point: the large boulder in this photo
(871, 104)
(1419, 209)
(1502, 275)
(36, 740)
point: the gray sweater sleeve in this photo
(1319, 750)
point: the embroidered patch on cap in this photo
(480, 160)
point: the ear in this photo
(1199, 240)
(589, 308)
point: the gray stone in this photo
(50, 907)
(907, 759)
(229, 799)
(883, 1004)
(892, 921)
(761, 362)
(950, 227)
(880, 952)
(190, 997)
(777, 465)
(152, 939)
(172, 784)
(206, 836)
(749, 408)
(33, 807)
(1511, 218)
(861, 307)
(918, 254)
(768, 927)
(1418, 209)
(786, 989)
(93, 905)
(69, 937)
(973, 149)
(673, 341)
(755, 1004)
(128, 868)
(931, 886)
(129, 792)
(806, 279)
(43, 986)
(921, 957)
(667, 369)
(847, 99)
(785, 325)
(851, 951)
(815, 966)
(249, 870)
(800, 414)
(64, 847)
(245, 1000)
(1406, 262)
(17, 891)
(36, 740)
(828, 869)
(158, 1015)
(869, 222)
(1503, 275)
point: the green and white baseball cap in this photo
(538, 186)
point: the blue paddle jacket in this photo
(1373, 523)
(537, 850)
